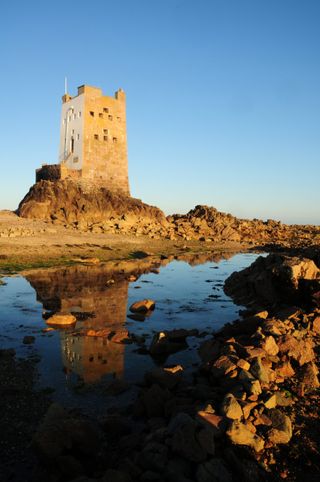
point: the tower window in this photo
(105, 138)
(78, 137)
(106, 110)
(79, 114)
(106, 131)
(101, 116)
(110, 117)
(96, 137)
(92, 113)
(115, 140)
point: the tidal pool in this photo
(91, 372)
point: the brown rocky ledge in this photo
(86, 207)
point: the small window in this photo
(78, 137)
(72, 131)
(106, 131)
(96, 137)
(106, 110)
(101, 115)
(79, 114)
(76, 159)
(92, 113)
(115, 140)
(110, 117)
(105, 138)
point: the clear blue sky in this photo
(223, 97)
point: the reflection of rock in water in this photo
(92, 357)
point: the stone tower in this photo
(93, 140)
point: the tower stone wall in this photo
(93, 140)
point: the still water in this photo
(93, 372)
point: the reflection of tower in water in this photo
(83, 290)
(92, 357)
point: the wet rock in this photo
(214, 470)
(61, 319)
(28, 340)
(167, 377)
(142, 306)
(231, 408)
(281, 431)
(162, 344)
(209, 350)
(240, 434)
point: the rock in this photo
(86, 260)
(284, 370)
(309, 377)
(216, 423)
(231, 408)
(112, 475)
(300, 350)
(213, 470)
(165, 377)
(154, 400)
(281, 431)
(153, 457)
(104, 333)
(273, 279)
(259, 371)
(222, 366)
(185, 442)
(142, 306)
(270, 401)
(240, 434)
(316, 325)
(61, 319)
(243, 364)
(269, 345)
(28, 340)
(162, 344)
(209, 350)
(206, 439)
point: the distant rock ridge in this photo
(88, 207)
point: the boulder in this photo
(281, 431)
(142, 306)
(61, 319)
(231, 408)
(240, 434)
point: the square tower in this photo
(93, 138)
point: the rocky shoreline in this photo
(249, 412)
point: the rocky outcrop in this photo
(275, 279)
(87, 207)
(207, 223)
